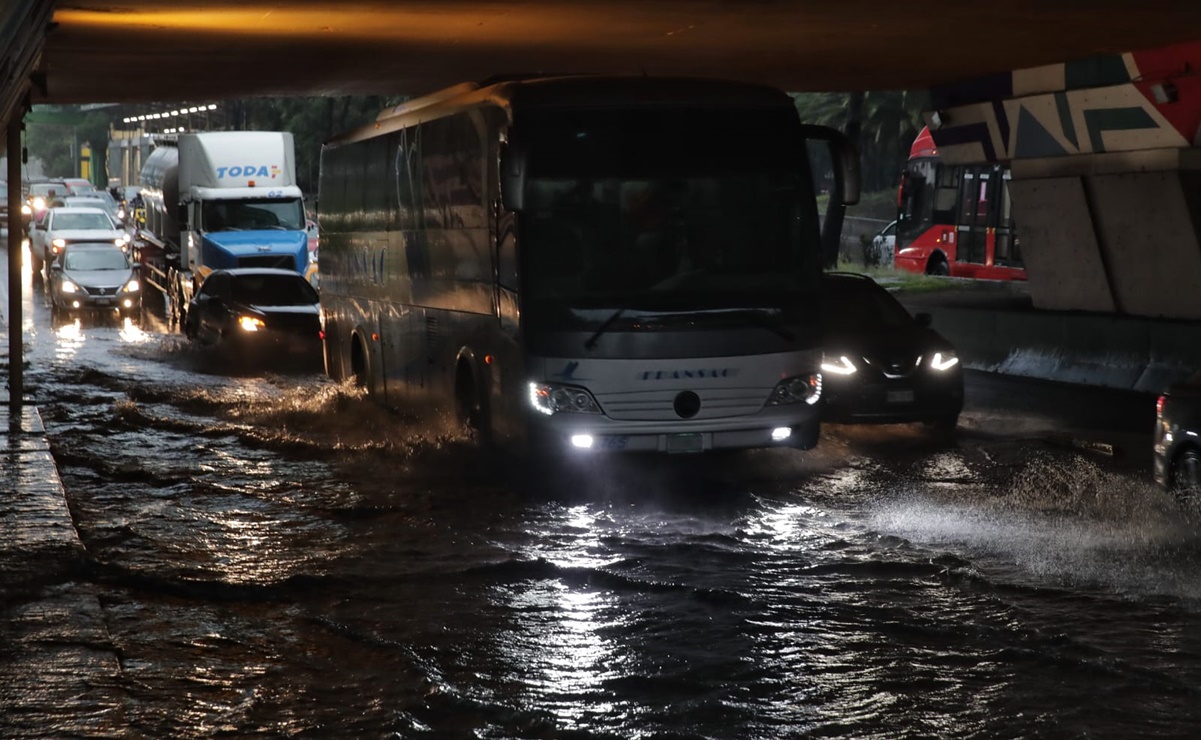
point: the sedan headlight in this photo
(806, 388)
(943, 361)
(67, 286)
(552, 398)
(60, 243)
(131, 287)
(251, 323)
(840, 366)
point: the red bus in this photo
(955, 219)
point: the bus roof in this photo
(923, 145)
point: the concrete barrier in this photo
(1092, 349)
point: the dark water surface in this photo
(275, 556)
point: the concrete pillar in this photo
(1115, 234)
(1059, 245)
(1150, 241)
(16, 343)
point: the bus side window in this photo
(946, 194)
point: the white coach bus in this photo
(600, 263)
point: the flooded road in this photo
(272, 555)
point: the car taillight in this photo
(1159, 406)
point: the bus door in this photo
(1005, 249)
(975, 201)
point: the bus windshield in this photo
(675, 210)
(259, 213)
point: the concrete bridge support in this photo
(1106, 175)
(1113, 239)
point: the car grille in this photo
(298, 324)
(101, 291)
(895, 367)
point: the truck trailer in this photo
(219, 200)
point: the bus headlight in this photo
(552, 398)
(806, 388)
(943, 361)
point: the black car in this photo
(1177, 450)
(257, 312)
(881, 364)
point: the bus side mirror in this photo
(512, 177)
(844, 155)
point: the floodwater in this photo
(270, 554)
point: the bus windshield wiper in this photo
(732, 317)
(604, 327)
(772, 325)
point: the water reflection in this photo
(69, 338)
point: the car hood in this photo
(97, 235)
(885, 343)
(99, 278)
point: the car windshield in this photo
(95, 259)
(861, 305)
(45, 188)
(82, 221)
(259, 213)
(274, 290)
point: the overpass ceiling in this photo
(141, 51)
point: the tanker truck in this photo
(218, 200)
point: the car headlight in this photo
(806, 388)
(251, 323)
(943, 361)
(552, 398)
(60, 243)
(840, 366)
(68, 287)
(131, 287)
(38, 203)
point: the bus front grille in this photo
(660, 405)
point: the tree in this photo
(312, 121)
(55, 135)
(884, 125)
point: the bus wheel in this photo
(938, 266)
(469, 407)
(358, 363)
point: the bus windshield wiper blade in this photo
(772, 325)
(604, 327)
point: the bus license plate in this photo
(900, 396)
(684, 443)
